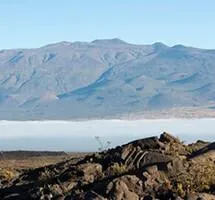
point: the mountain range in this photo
(103, 78)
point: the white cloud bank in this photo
(72, 134)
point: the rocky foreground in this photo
(152, 168)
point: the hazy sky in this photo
(33, 23)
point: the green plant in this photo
(189, 149)
(116, 169)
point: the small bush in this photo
(46, 177)
(7, 174)
(200, 177)
(116, 169)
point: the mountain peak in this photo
(109, 41)
(71, 80)
(159, 46)
(178, 46)
(57, 44)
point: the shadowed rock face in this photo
(152, 168)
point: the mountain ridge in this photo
(107, 77)
(105, 40)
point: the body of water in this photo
(80, 135)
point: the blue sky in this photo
(34, 23)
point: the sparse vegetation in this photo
(164, 170)
(116, 169)
(46, 176)
(199, 177)
(7, 174)
(103, 145)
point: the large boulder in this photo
(125, 187)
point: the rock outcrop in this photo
(148, 169)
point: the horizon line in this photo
(67, 42)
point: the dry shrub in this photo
(116, 169)
(7, 174)
(46, 177)
(200, 177)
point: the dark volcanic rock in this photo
(125, 187)
(152, 168)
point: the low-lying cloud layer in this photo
(80, 135)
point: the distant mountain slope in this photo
(103, 78)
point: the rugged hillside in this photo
(103, 78)
(153, 168)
